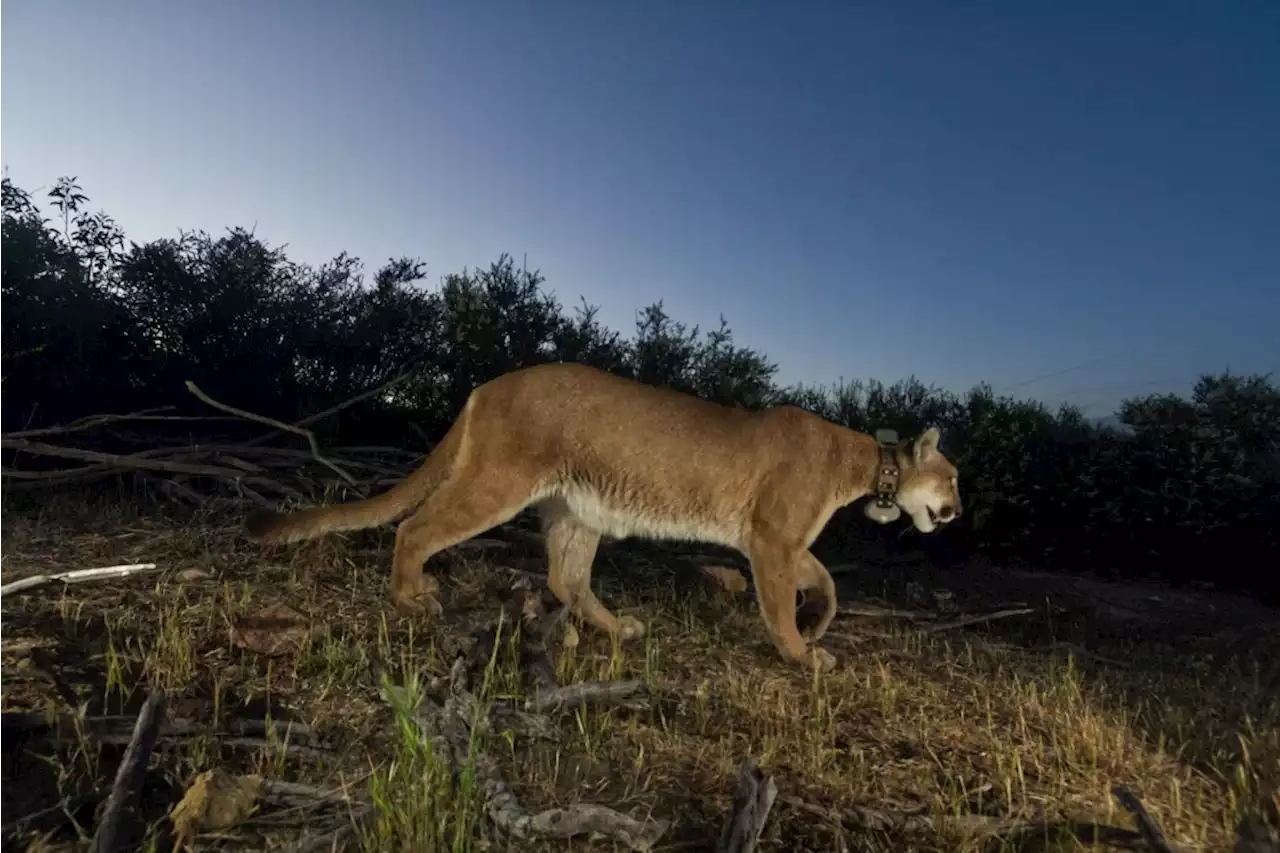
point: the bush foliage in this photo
(1187, 489)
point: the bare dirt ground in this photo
(930, 735)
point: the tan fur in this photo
(601, 455)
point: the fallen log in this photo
(130, 775)
(752, 801)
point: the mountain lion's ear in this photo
(927, 445)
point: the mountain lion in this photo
(600, 455)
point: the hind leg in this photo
(571, 547)
(464, 506)
(776, 570)
(814, 576)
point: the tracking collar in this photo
(882, 508)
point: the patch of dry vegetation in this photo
(955, 741)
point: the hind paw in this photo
(419, 600)
(629, 628)
(824, 660)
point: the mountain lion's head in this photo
(929, 489)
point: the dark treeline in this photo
(1188, 489)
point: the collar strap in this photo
(888, 473)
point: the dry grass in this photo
(971, 727)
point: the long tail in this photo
(284, 527)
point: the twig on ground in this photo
(131, 774)
(34, 817)
(873, 611)
(175, 490)
(976, 619)
(535, 639)
(292, 796)
(296, 430)
(77, 576)
(752, 800)
(44, 660)
(1080, 652)
(1254, 836)
(920, 822)
(1146, 823)
(480, 543)
(632, 695)
(295, 739)
(294, 750)
(863, 818)
(925, 620)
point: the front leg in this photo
(814, 575)
(776, 570)
(571, 548)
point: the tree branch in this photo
(281, 425)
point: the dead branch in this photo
(752, 801)
(322, 842)
(448, 728)
(293, 750)
(862, 818)
(1146, 823)
(323, 413)
(136, 461)
(298, 795)
(588, 819)
(131, 774)
(175, 490)
(35, 817)
(919, 822)
(525, 608)
(295, 738)
(76, 576)
(505, 810)
(522, 618)
(154, 415)
(977, 619)
(872, 611)
(1079, 651)
(632, 695)
(480, 543)
(235, 469)
(279, 728)
(296, 430)
(45, 661)
(926, 620)
(1254, 836)
(537, 630)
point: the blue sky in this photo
(1076, 201)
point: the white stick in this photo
(77, 576)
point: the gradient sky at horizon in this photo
(1072, 201)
